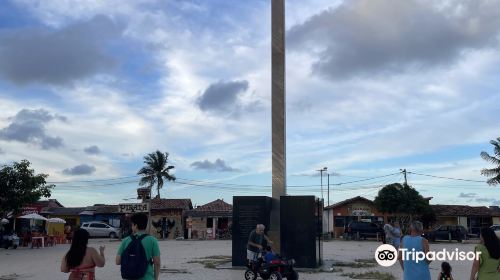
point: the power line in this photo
(192, 180)
(254, 188)
(449, 178)
(291, 186)
(101, 185)
(225, 186)
(210, 183)
(367, 179)
(448, 185)
(91, 181)
(377, 184)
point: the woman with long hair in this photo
(81, 260)
(486, 267)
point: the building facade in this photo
(339, 215)
(103, 213)
(25, 225)
(210, 221)
(70, 214)
(473, 218)
(495, 210)
(167, 215)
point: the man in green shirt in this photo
(139, 222)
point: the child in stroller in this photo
(271, 266)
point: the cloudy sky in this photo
(87, 88)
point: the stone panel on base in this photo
(301, 227)
(248, 211)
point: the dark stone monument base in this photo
(300, 227)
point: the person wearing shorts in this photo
(255, 242)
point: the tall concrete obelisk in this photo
(278, 117)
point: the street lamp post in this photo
(321, 175)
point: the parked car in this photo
(496, 229)
(363, 230)
(445, 232)
(100, 229)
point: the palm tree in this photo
(495, 159)
(155, 170)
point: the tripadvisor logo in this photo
(387, 255)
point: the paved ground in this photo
(178, 256)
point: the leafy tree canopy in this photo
(155, 171)
(404, 201)
(19, 185)
(494, 173)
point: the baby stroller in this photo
(275, 270)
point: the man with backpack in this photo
(139, 253)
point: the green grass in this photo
(356, 264)
(212, 261)
(370, 275)
(10, 277)
(172, 271)
(366, 261)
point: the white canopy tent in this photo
(56, 221)
(33, 216)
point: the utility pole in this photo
(328, 204)
(404, 173)
(328, 191)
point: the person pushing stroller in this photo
(270, 265)
(256, 243)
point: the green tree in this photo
(155, 170)
(388, 199)
(406, 203)
(19, 185)
(494, 173)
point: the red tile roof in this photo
(216, 208)
(461, 210)
(50, 203)
(106, 209)
(216, 205)
(65, 211)
(350, 200)
(164, 203)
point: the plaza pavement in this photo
(178, 256)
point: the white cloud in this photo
(377, 38)
(340, 124)
(57, 13)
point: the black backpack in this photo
(134, 262)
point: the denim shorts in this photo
(252, 256)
